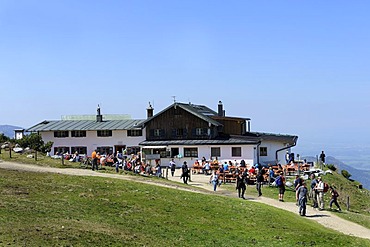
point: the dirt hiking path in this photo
(325, 218)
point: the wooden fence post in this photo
(347, 203)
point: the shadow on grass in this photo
(317, 216)
(200, 185)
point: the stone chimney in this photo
(149, 111)
(221, 112)
(99, 117)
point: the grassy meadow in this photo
(38, 209)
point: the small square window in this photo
(215, 152)
(263, 151)
(104, 133)
(236, 151)
(191, 152)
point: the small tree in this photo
(47, 147)
(33, 141)
(346, 174)
(331, 167)
(4, 138)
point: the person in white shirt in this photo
(320, 193)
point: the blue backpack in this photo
(279, 181)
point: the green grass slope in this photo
(39, 209)
(359, 199)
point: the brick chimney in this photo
(149, 111)
(99, 117)
(221, 112)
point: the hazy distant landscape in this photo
(363, 176)
(8, 130)
(355, 156)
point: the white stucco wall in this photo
(271, 152)
(91, 141)
(248, 154)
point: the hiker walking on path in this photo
(301, 197)
(185, 172)
(241, 184)
(214, 180)
(320, 193)
(334, 197)
(280, 182)
(313, 193)
(260, 179)
(271, 175)
(172, 166)
(297, 182)
(94, 157)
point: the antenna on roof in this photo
(174, 99)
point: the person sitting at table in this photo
(215, 160)
(237, 170)
(74, 157)
(226, 166)
(206, 168)
(280, 168)
(203, 160)
(236, 163)
(252, 171)
(158, 169)
(230, 164)
(221, 169)
(242, 163)
(103, 160)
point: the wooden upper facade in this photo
(192, 122)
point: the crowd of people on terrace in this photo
(130, 162)
(242, 172)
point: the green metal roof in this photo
(61, 125)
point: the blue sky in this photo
(293, 67)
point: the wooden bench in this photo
(197, 169)
(227, 177)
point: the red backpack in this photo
(326, 187)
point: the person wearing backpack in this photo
(260, 180)
(280, 182)
(301, 197)
(241, 184)
(185, 172)
(334, 197)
